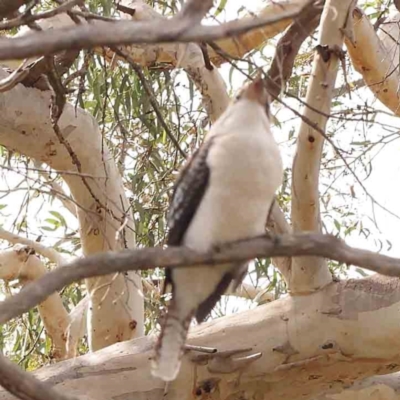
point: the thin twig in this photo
(152, 98)
(338, 151)
(24, 20)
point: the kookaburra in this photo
(224, 193)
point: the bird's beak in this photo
(257, 91)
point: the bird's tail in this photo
(170, 346)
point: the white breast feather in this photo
(245, 172)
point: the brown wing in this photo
(188, 192)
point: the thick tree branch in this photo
(235, 47)
(378, 387)
(195, 10)
(278, 75)
(187, 56)
(301, 244)
(25, 386)
(45, 251)
(21, 263)
(297, 347)
(312, 273)
(289, 45)
(379, 64)
(126, 32)
(26, 127)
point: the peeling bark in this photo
(384, 387)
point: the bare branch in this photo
(47, 252)
(238, 46)
(21, 263)
(288, 47)
(312, 273)
(24, 385)
(126, 32)
(27, 19)
(301, 244)
(195, 10)
(153, 101)
(304, 351)
(378, 65)
(8, 7)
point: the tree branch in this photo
(27, 19)
(301, 244)
(289, 45)
(278, 75)
(238, 46)
(297, 347)
(8, 7)
(24, 385)
(115, 301)
(378, 65)
(195, 10)
(21, 263)
(187, 56)
(312, 273)
(235, 47)
(126, 32)
(47, 252)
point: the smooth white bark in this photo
(377, 60)
(311, 273)
(48, 252)
(18, 263)
(116, 310)
(309, 345)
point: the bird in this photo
(224, 193)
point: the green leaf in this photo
(60, 218)
(221, 7)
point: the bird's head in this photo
(256, 91)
